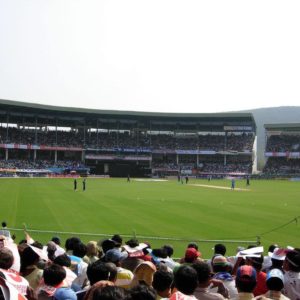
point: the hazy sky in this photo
(155, 55)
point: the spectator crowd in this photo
(113, 270)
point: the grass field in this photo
(155, 209)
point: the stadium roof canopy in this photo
(15, 111)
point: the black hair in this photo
(109, 293)
(37, 245)
(28, 257)
(274, 284)
(97, 271)
(293, 260)
(108, 245)
(193, 245)
(272, 248)
(186, 280)
(220, 268)
(161, 252)
(142, 292)
(54, 274)
(56, 240)
(132, 243)
(118, 239)
(162, 280)
(203, 271)
(4, 224)
(79, 250)
(63, 260)
(113, 271)
(169, 249)
(245, 285)
(71, 242)
(257, 262)
(6, 258)
(220, 249)
(276, 263)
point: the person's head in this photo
(255, 262)
(159, 252)
(107, 245)
(51, 248)
(169, 250)
(79, 250)
(56, 240)
(98, 271)
(4, 225)
(109, 293)
(117, 239)
(193, 245)
(245, 279)
(142, 292)
(113, 271)
(92, 248)
(132, 243)
(191, 255)
(28, 257)
(162, 283)
(275, 280)
(292, 261)
(203, 273)
(6, 258)
(143, 273)
(220, 249)
(63, 260)
(220, 264)
(115, 256)
(54, 275)
(71, 242)
(185, 279)
(272, 248)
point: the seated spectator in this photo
(162, 283)
(142, 292)
(55, 287)
(261, 277)
(205, 280)
(95, 289)
(98, 271)
(291, 267)
(29, 269)
(186, 282)
(65, 261)
(169, 260)
(92, 252)
(124, 276)
(6, 262)
(245, 282)
(109, 293)
(275, 283)
(143, 274)
(4, 231)
(222, 268)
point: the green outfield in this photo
(155, 209)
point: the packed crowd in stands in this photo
(38, 164)
(283, 143)
(102, 140)
(282, 166)
(112, 269)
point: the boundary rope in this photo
(130, 236)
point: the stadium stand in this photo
(120, 143)
(51, 271)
